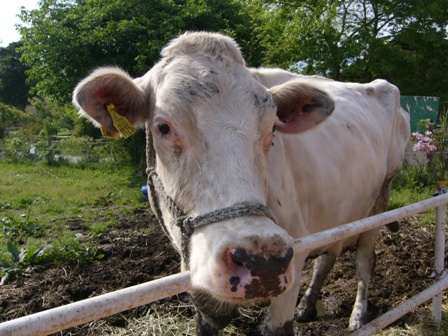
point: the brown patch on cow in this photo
(266, 272)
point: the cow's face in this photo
(212, 126)
(212, 131)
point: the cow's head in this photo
(212, 125)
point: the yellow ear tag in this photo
(121, 124)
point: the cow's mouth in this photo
(260, 290)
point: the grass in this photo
(53, 192)
(38, 202)
(404, 196)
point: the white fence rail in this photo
(57, 319)
(73, 314)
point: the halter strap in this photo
(188, 224)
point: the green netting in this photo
(420, 108)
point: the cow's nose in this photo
(259, 275)
(257, 264)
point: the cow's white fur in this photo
(218, 153)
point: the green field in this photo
(38, 202)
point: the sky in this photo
(8, 11)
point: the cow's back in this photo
(333, 175)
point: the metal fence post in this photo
(439, 259)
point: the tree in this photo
(10, 117)
(13, 86)
(228, 17)
(415, 59)
(359, 39)
(301, 34)
(66, 39)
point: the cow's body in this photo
(211, 120)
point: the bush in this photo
(82, 149)
(433, 143)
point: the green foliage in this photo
(18, 261)
(412, 176)
(51, 116)
(14, 150)
(433, 165)
(84, 149)
(131, 150)
(84, 128)
(41, 121)
(57, 197)
(405, 42)
(71, 250)
(13, 86)
(302, 31)
(17, 229)
(9, 117)
(107, 199)
(64, 40)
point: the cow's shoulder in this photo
(378, 96)
(387, 94)
(271, 77)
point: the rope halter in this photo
(188, 224)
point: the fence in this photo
(57, 319)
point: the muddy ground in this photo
(133, 256)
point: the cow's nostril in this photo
(239, 257)
(288, 256)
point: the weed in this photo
(100, 227)
(54, 209)
(17, 229)
(71, 250)
(19, 261)
(5, 206)
(107, 199)
(147, 230)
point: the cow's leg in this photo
(211, 315)
(365, 264)
(280, 321)
(365, 260)
(306, 310)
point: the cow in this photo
(242, 162)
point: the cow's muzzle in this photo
(256, 276)
(188, 224)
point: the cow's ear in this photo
(300, 106)
(106, 96)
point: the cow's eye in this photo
(163, 128)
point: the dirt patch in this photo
(136, 251)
